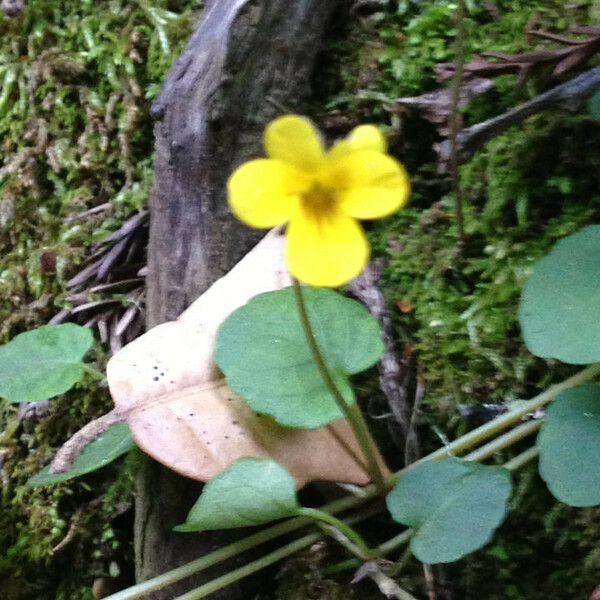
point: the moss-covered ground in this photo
(526, 189)
(76, 81)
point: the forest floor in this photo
(76, 148)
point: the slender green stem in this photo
(399, 540)
(504, 441)
(463, 443)
(93, 371)
(252, 567)
(366, 553)
(399, 565)
(340, 567)
(395, 542)
(141, 590)
(488, 430)
(455, 122)
(522, 459)
(351, 412)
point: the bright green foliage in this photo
(561, 301)
(75, 134)
(252, 491)
(114, 442)
(594, 105)
(569, 444)
(524, 190)
(44, 362)
(262, 350)
(453, 506)
(76, 82)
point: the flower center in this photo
(318, 200)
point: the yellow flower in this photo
(320, 195)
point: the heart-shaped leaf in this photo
(454, 507)
(114, 442)
(44, 362)
(252, 491)
(561, 301)
(569, 444)
(262, 350)
(180, 411)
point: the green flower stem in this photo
(399, 565)
(366, 553)
(252, 567)
(504, 441)
(488, 430)
(467, 441)
(141, 590)
(351, 412)
(403, 538)
(289, 549)
(382, 550)
(522, 459)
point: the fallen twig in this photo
(575, 54)
(570, 96)
(393, 377)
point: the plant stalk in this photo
(252, 567)
(352, 535)
(522, 459)
(403, 538)
(456, 447)
(351, 412)
(504, 441)
(455, 123)
(303, 542)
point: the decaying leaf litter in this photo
(542, 130)
(167, 387)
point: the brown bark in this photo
(246, 60)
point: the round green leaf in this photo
(252, 491)
(594, 105)
(114, 442)
(262, 350)
(44, 362)
(453, 506)
(569, 444)
(561, 301)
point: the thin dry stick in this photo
(455, 123)
(570, 96)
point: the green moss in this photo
(75, 129)
(525, 190)
(77, 79)
(394, 52)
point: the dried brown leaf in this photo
(180, 411)
(436, 106)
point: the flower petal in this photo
(325, 249)
(363, 137)
(265, 193)
(369, 184)
(294, 140)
